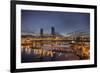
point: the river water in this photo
(44, 55)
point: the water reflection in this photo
(44, 54)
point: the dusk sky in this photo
(64, 22)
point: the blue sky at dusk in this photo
(64, 22)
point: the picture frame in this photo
(22, 11)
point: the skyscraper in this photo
(52, 31)
(41, 31)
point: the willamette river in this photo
(43, 55)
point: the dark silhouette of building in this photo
(52, 31)
(41, 31)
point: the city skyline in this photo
(64, 22)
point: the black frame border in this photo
(13, 35)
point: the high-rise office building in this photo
(52, 30)
(41, 31)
